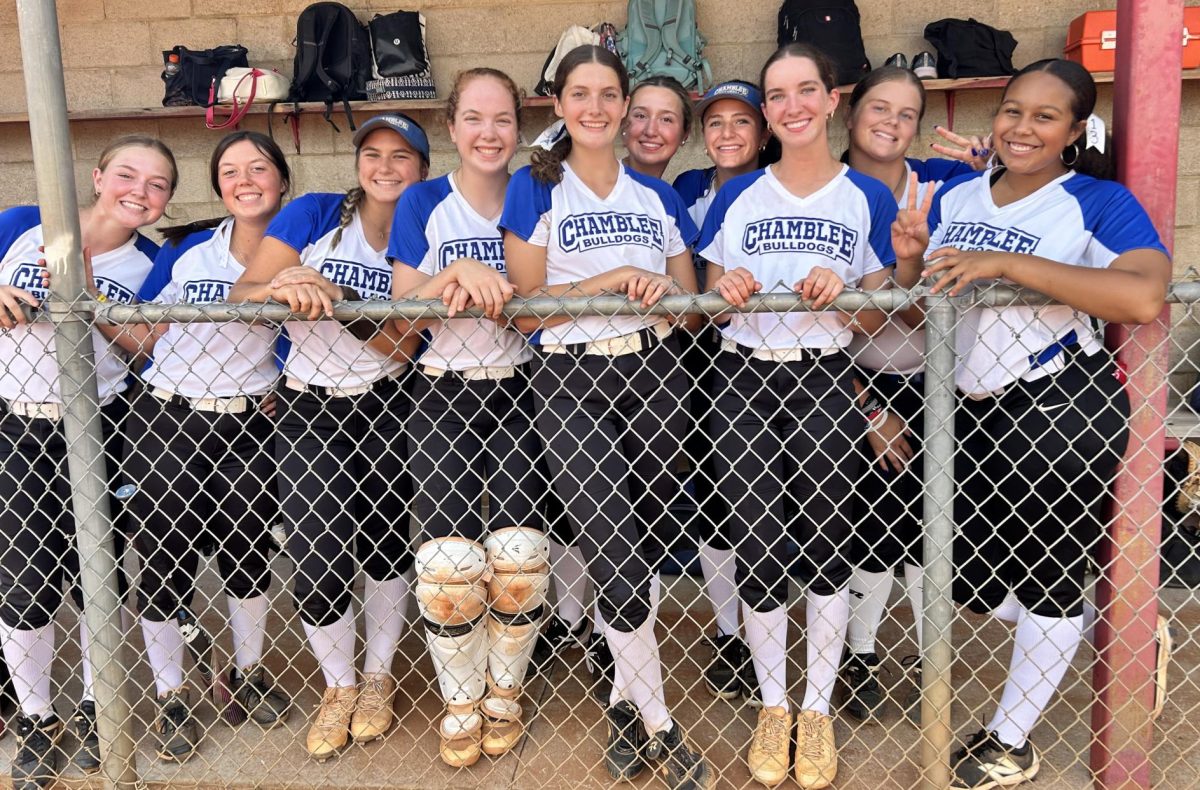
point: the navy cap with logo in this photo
(402, 125)
(744, 92)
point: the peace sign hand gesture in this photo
(973, 150)
(910, 231)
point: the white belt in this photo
(473, 374)
(779, 354)
(36, 411)
(338, 392)
(617, 346)
(239, 404)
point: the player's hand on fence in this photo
(910, 231)
(821, 285)
(304, 299)
(648, 287)
(959, 268)
(481, 284)
(306, 275)
(972, 149)
(736, 286)
(268, 405)
(89, 279)
(889, 444)
(11, 299)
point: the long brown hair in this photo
(546, 166)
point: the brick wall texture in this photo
(112, 58)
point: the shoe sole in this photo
(926, 73)
(171, 757)
(1027, 775)
(724, 694)
(620, 774)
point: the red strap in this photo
(238, 111)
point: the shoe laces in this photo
(812, 745)
(33, 740)
(771, 733)
(680, 759)
(172, 714)
(373, 691)
(335, 709)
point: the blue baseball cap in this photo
(402, 125)
(744, 92)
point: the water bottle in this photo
(175, 95)
(172, 67)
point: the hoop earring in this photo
(1063, 156)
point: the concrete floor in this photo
(566, 730)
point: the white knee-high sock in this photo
(869, 593)
(720, 583)
(569, 572)
(640, 672)
(333, 646)
(164, 651)
(248, 622)
(29, 654)
(620, 683)
(1042, 652)
(85, 660)
(826, 617)
(766, 636)
(914, 585)
(1010, 610)
(384, 608)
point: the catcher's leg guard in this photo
(520, 563)
(452, 595)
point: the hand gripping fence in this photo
(564, 732)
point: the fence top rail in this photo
(891, 299)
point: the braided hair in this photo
(349, 206)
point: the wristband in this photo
(871, 407)
(876, 420)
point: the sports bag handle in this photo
(237, 111)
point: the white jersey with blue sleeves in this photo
(434, 226)
(757, 224)
(641, 223)
(323, 353)
(898, 347)
(200, 360)
(1074, 219)
(30, 371)
(697, 189)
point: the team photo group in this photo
(798, 430)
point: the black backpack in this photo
(832, 26)
(333, 57)
(967, 48)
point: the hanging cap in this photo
(402, 125)
(734, 89)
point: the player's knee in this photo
(322, 607)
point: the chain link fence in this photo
(214, 503)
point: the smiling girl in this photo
(132, 184)
(658, 123)
(1042, 423)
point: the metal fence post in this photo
(936, 730)
(53, 164)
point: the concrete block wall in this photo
(112, 54)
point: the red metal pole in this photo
(1146, 105)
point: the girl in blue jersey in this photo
(608, 389)
(132, 184)
(784, 416)
(199, 445)
(658, 123)
(883, 118)
(1043, 418)
(735, 139)
(343, 483)
(471, 430)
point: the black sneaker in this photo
(84, 721)
(36, 763)
(625, 754)
(912, 698)
(174, 728)
(858, 690)
(924, 65)
(723, 676)
(600, 665)
(556, 638)
(986, 762)
(899, 60)
(682, 769)
(255, 695)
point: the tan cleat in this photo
(331, 729)
(460, 735)
(816, 750)
(768, 755)
(502, 726)
(373, 715)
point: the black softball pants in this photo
(613, 430)
(466, 437)
(710, 526)
(37, 525)
(887, 505)
(344, 489)
(786, 435)
(1033, 467)
(206, 481)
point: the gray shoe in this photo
(174, 728)
(256, 696)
